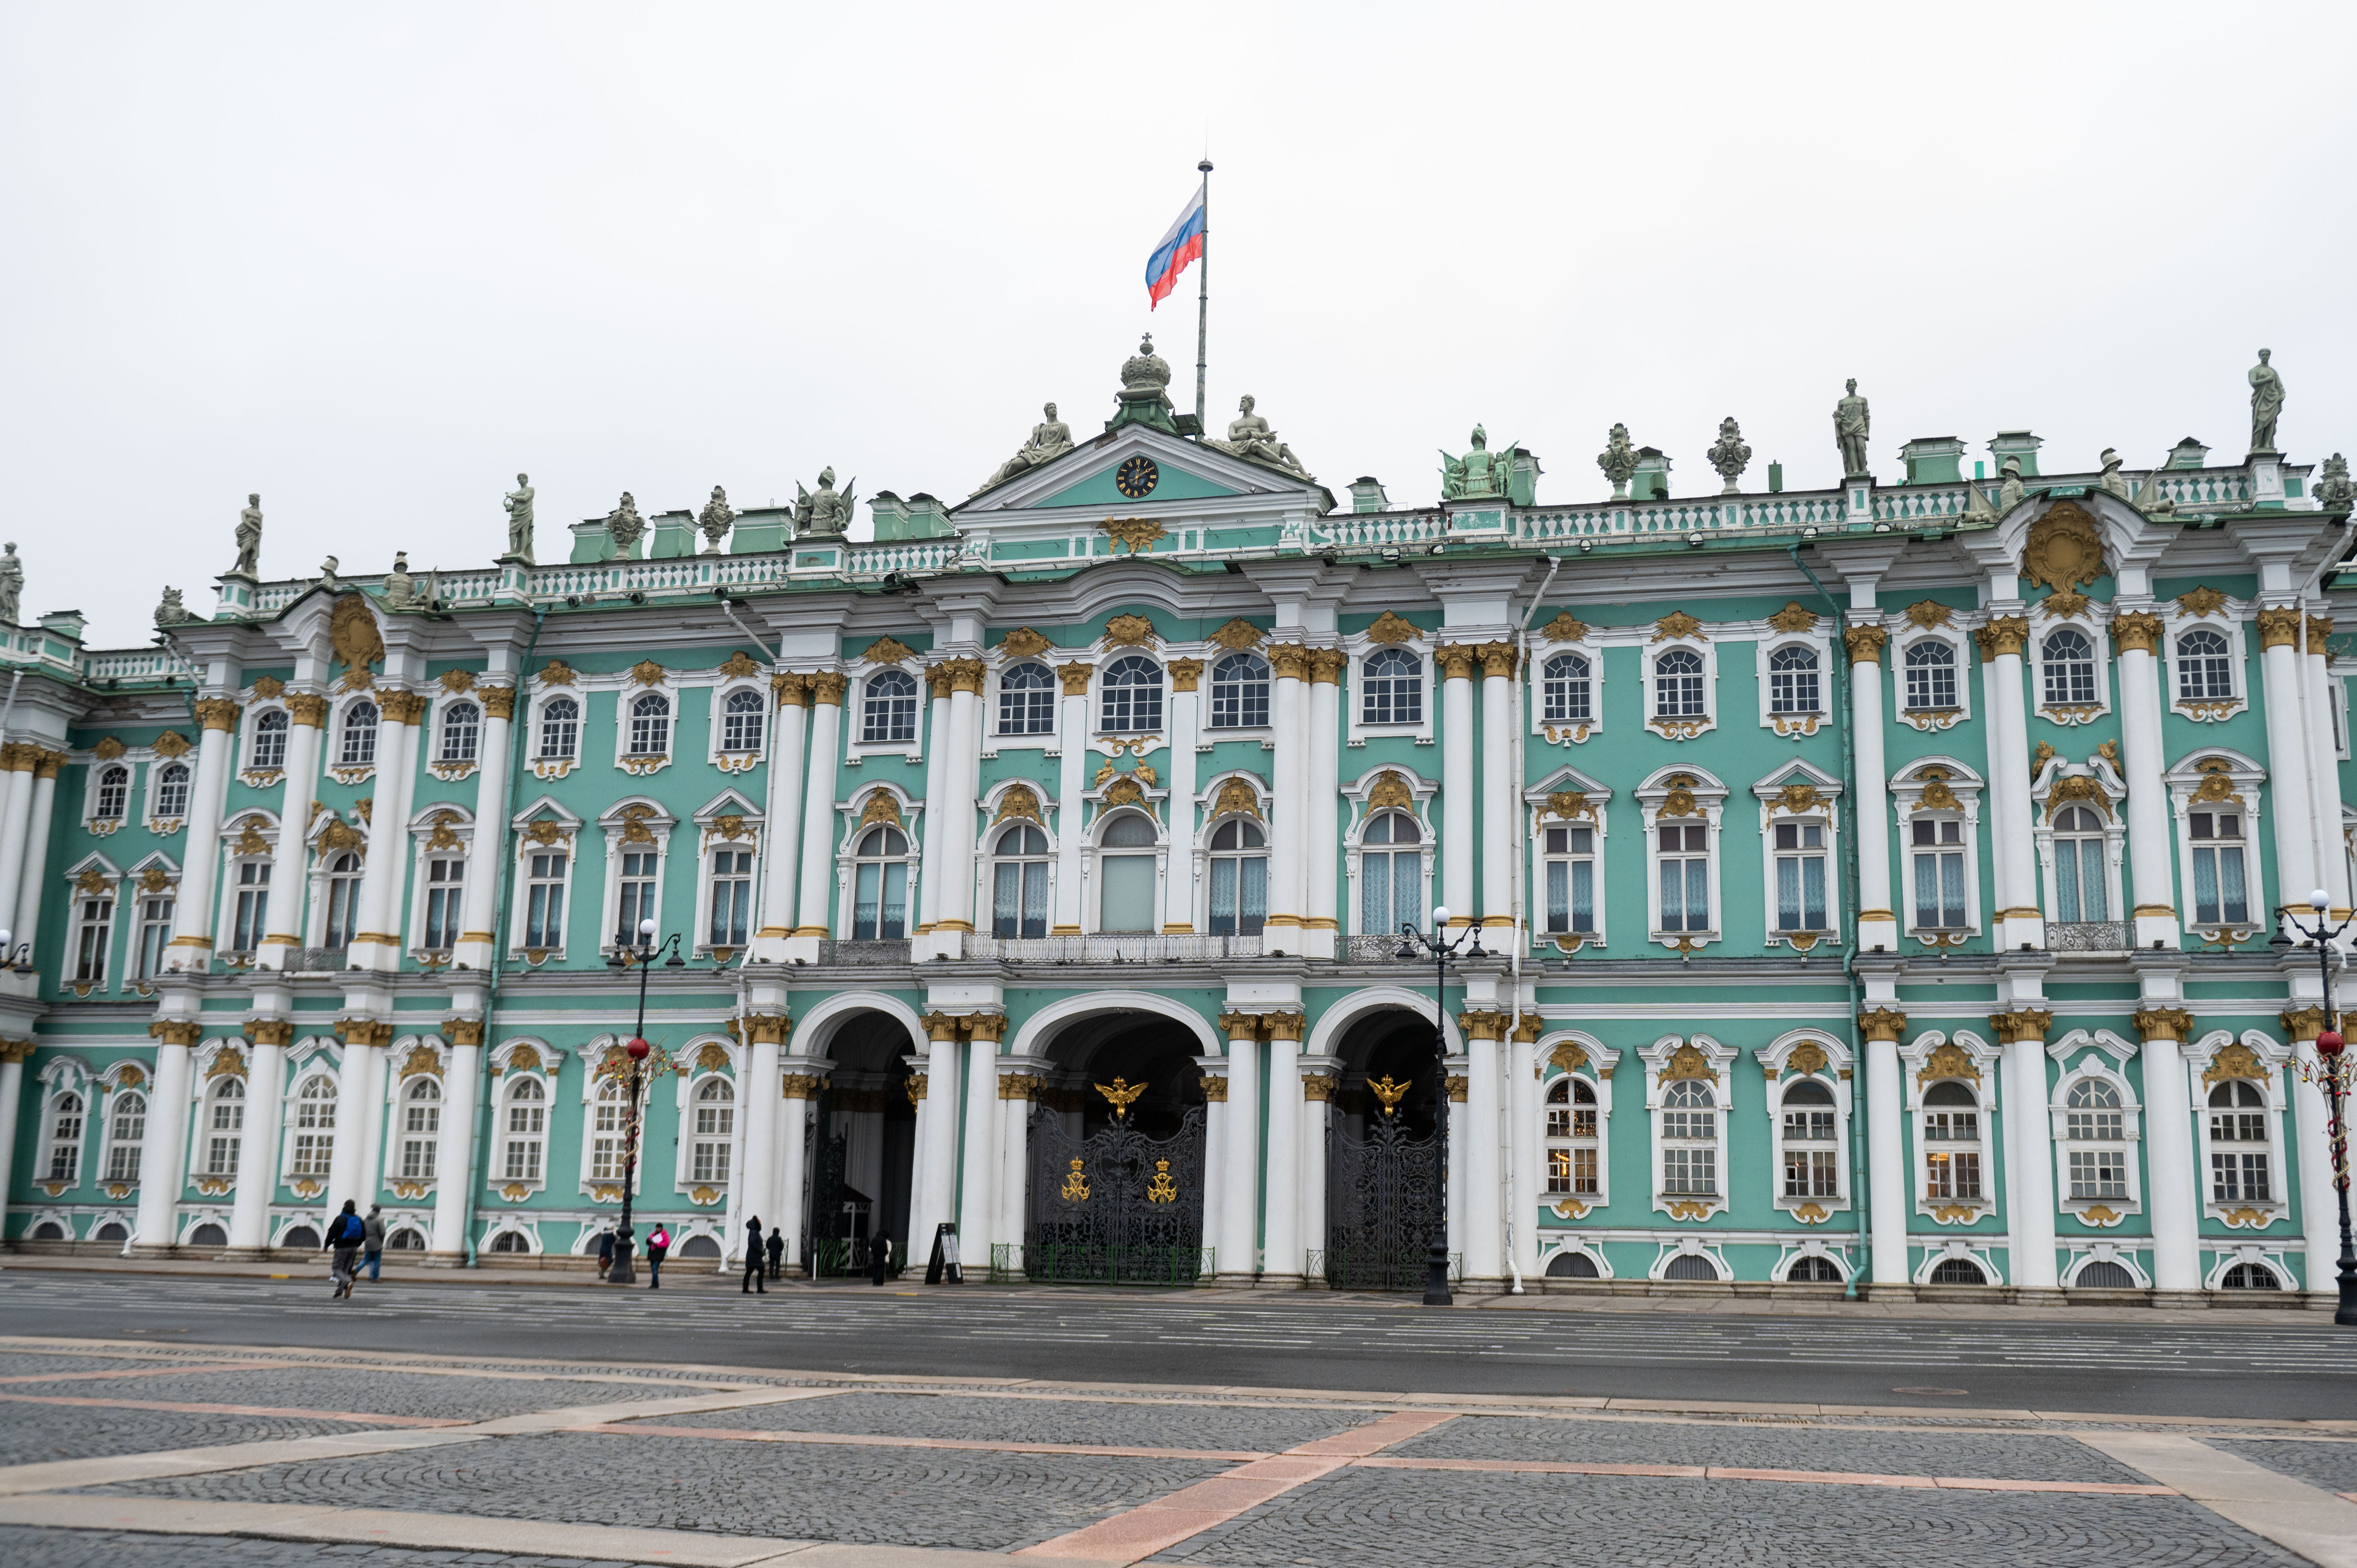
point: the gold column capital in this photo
(1284, 1025)
(1866, 644)
(1317, 1086)
(1186, 674)
(826, 689)
(217, 713)
(2023, 1023)
(1456, 661)
(800, 1085)
(1498, 660)
(1882, 1023)
(991, 1027)
(1075, 677)
(177, 1031)
(270, 1031)
(2135, 631)
(1288, 660)
(1240, 1026)
(2163, 1023)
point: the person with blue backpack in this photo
(345, 1233)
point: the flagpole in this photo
(1203, 298)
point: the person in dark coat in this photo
(605, 1252)
(752, 1259)
(344, 1233)
(777, 1254)
(658, 1243)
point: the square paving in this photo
(2332, 1466)
(38, 1433)
(1159, 1423)
(360, 1390)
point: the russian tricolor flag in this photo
(1184, 244)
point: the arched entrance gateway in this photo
(1382, 1170)
(862, 1134)
(1116, 1153)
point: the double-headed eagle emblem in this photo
(1121, 1095)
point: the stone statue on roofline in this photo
(517, 503)
(717, 517)
(1250, 435)
(1050, 439)
(1851, 421)
(823, 514)
(2266, 403)
(2334, 492)
(249, 538)
(1619, 461)
(172, 612)
(1480, 474)
(2111, 482)
(12, 585)
(1729, 454)
(400, 587)
(2010, 490)
(624, 525)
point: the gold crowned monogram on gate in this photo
(1076, 1185)
(1162, 1189)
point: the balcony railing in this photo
(1141, 949)
(2086, 936)
(894, 952)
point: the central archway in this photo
(1382, 1158)
(862, 1141)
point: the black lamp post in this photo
(644, 954)
(2334, 1071)
(1413, 944)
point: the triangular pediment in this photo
(1139, 468)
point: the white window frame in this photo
(628, 696)
(2083, 1055)
(92, 777)
(2248, 780)
(1258, 821)
(52, 1109)
(1817, 641)
(2096, 630)
(995, 827)
(1537, 820)
(993, 739)
(592, 1080)
(1657, 1059)
(318, 1068)
(548, 769)
(1358, 647)
(717, 728)
(331, 746)
(1781, 1072)
(1825, 812)
(1092, 853)
(568, 839)
(319, 868)
(158, 823)
(1594, 1063)
(1422, 792)
(2229, 620)
(1104, 665)
(749, 837)
(1682, 728)
(2202, 1059)
(1710, 799)
(511, 1096)
(399, 1141)
(2044, 809)
(1957, 638)
(132, 914)
(854, 716)
(253, 774)
(422, 830)
(856, 825)
(689, 1098)
(1916, 1079)
(1909, 787)
(437, 723)
(70, 956)
(616, 821)
(211, 1096)
(107, 1143)
(232, 869)
(1580, 732)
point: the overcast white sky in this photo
(372, 262)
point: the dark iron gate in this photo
(1117, 1208)
(1381, 1191)
(835, 1240)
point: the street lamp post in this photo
(2333, 1068)
(644, 954)
(1436, 1272)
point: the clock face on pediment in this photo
(1136, 478)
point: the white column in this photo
(36, 850)
(1499, 814)
(2319, 1205)
(376, 945)
(2324, 771)
(2171, 1180)
(283, 920)
(1484, 1170)
(2288, 759)
(2020, 920)
(1073, 740)
(462, 1089)
(1289, 881)
(1283, 1263)
(816, 918)
(194, 912)
(164, 1159)
(257, 1152)
(1886, 1153)
(1239, 1242)
(376, 1072)
(1016, 1091)
(1878, 922)
(1325, 850)
(782, 836)
(977, 1212)
(478, 900)
(1318, 1089)
(1456, 785)
(2030, 1148)
(352, 1096)
(16, 764)
(1215, 1146)
(958, 815)
(1522, 1144)
(923, 1104)
(2152, 880)
(1178, 877)
(793, 1157)
(935, 1198)
(12, 1096)
(1460, 1129)
(937, 763)
(757, 1180)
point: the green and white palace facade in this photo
(1860, 887)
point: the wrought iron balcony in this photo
(889, 952)
(2086, 936)
(1142, 948)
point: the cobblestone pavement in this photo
(364, 1391)
(36, 1434)
(109, 1549)
(36, 1365)
(1367, 1519)
(2023, 1457)
(2332, 1466)
(1113, 1425)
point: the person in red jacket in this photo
(658, 1243)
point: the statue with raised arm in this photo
(249, 538)
(716, 520)
(1050, 439)
(1850, 424)
(518, 506)
(2267, 403)
(825, 514)
(12, 585)
(1250, 435)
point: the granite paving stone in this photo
(39, 1433)
(2332, 1466)
(364, 1389)
(894, 1495)
(113, 1548)
(1157, 1425)
(1981, 1456)
(1379, 1519)
(33, 1364)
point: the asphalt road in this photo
(2233, 1367)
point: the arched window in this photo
(1677, 685)
(606, 1127)
(65, 1138)
(2221, 893)
(360, 735)
(1572, 1264)
(1792, 680)
(2092, 1116)
(1239, 878)
(1812, 1269)
(421, 1127)
(343, 898)
(1691, 1266)
(511, 1241)
(741, 723)
(1018, 900)
(2238, 1144)
(526, 1134)
(1391, 874)
(1951, 1142)
(880, 895)
(2070, 668)
(1240, 692)
(269, 748)
(1566, 692)
(560, 729)
(1958, 1271)
(315, 1127)
(224, 1126)
(1390, 686)
(715, 1124)
(2249, 1276)
(408, 1238)
(1689, 1139)
(888, 708)
(1812, 1163)
(732, 897)
(126, 1133)
(172, 791)
(2205, 667)
(1931, 677)
(462, 728)
(1132, 693)
(1125, 880)
(1571, 1137)
(114, 794)
(1026, 699)
(2079, 884)
(650, 726)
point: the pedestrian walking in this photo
(344, 1248)
(777, 1254)
(373, 1240)
(605, 1252)
(752, 1280)
(657, 1245)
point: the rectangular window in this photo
(1952, 1174)
(92, 939)
(2238, 1177)
(2096, 1126)
(879, 902)
(605, 1141)
(252, 906)
(222, 1138)
(1239, 894)
(155, 933)
(1018, 904)
(2079, 883)
(1810, 1172)
(443, 876)
(1800, 876)
(123, 1163)
(732, 897)
(1809, 1126)
(638, 895)
(1938, 848)
(2220, 894)
(2099, 1173)
(543, 921)
(1685, 878)
(527, 1124)
(1571, 1172)
(1570, 879)
(1690, 1172)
